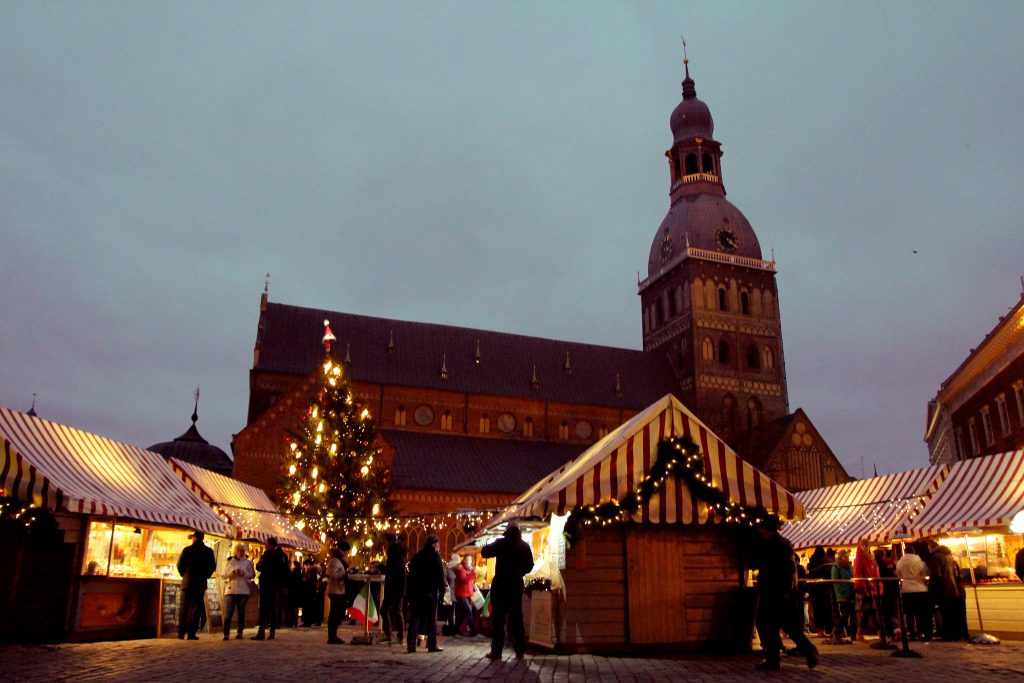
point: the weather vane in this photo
(266, 283)
(685, 60)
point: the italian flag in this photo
(363, 608)
(485, 611)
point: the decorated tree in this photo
(336, 484)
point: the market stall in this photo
(971, 514)
(875, 509)
(123, 518)
(657, 516)
(248, 509)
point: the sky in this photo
(500, 166)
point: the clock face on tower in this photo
(727, 239)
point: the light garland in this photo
(681, 458)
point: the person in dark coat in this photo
(779, 604)
(196, 564)
(424, 588)
(273, 569)
(294, 598)
(820, 567)
(946, 585)
(394, 590)
(513, 561)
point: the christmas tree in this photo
(336, 484)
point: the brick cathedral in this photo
(470, 418)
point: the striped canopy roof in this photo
(69, 470)
(979, 493)
(873, 508)
(616, 464)
(247, 508)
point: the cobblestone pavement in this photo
(302, 655)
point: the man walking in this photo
(513, 561)
(196, 564)
(273, 569)
(426, 585)
(780, 603)
(394, 590)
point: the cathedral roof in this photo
(695, 221)
(405, 353)
(449, 462)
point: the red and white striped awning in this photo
(616, 464)
(247, 508)
(873, 508)
(68, 470)
(979, 493)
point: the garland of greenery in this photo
(678, 457)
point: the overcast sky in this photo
(494, 165)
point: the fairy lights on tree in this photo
(335, 479)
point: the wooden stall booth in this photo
(971, 514)
(121, 519)
(671, 575)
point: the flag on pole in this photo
(485, 611)
(363, 608)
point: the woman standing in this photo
(237, 574)
(465, 582)
(337, 570)
(868, 593)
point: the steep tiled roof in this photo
(289, 342)
(446, 462)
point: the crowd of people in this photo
(930, 584)
(414, 590)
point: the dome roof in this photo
(193, 448)
(692, 117)
(695, 220)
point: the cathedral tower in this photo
(710, 301)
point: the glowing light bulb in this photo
(315, 472)
(376, 509)
(291, 469)
(365, 414)
(365, 470)
(294, 445)
(321, 488)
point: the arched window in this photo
(729, 412)
(723, 299)
(707, 164)
(769, 303)
(446, 421)
(647, 320)
(691, 164)
(485, 424)
(680, 299)
(723, 352)
(744, 302)
(698, 293)
(767, 358)
(528, 427)
(671, 304)
(753, 412)
(563, 430)
(657, 314)
(707, 349)
(752, 357)
(400, 416)
(679, 359)
(674, 157)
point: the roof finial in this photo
(567, 367)
(266, 284)
(618, 385)
(32, 410)
(534, 382)
(476, 355)
(444, 366)
(195, 410)
(328, 336)
(689, 87)
(348, 356)
(391, 342)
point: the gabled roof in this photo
(289, 342)
(760, 444)
(616, 464)
(449, 462)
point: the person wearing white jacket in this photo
(916, 600)
(237, 574)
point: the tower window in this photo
(723, 352)
(707, 164)
(446, 421)
(674, 156)
(400, 416)
(656, 323)
(528, 427)
(691, 164)
(753, 412)
(723, 299)
(671, 304)
(563, 430)
(485, 423)
(752, 357)
(768, 358)
(745, 302)
(707, 349)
